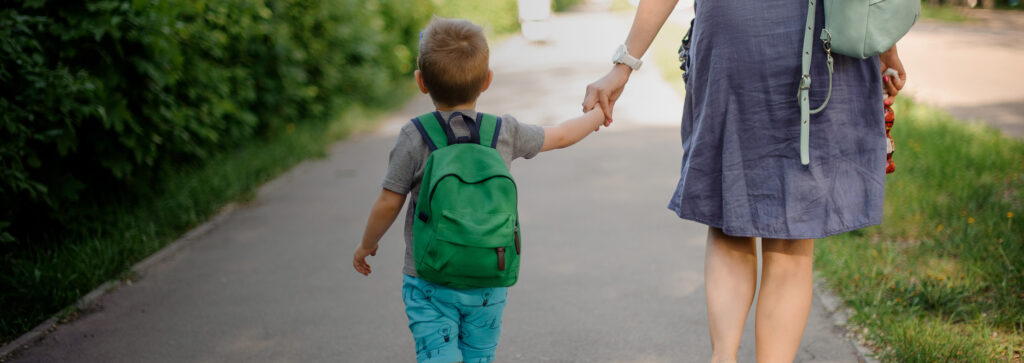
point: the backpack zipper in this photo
(516, 236)
(430, 198)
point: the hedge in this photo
(106, 95)
(102, 95)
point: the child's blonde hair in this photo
(453, 61)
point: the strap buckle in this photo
(826, 40)
(805, 82)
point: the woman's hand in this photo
(606, 91)
(892, 85)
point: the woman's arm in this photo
(650, 16)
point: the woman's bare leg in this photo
(784, 300)
(730, 279)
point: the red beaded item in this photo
(890, 116)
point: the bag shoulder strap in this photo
(803, 93)
(433, 129)
(437, 133)
(490, 128)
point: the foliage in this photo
(563, 5)
(944, 13)
(942, 279)
(497, 16)
(106, 95)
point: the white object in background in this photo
(534, 10)
(533, 18)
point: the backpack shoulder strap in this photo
(490, 127)
(433, 130)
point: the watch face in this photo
(622, 57)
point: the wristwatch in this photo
(622, 57)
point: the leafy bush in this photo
(563, 5)
(105, 95)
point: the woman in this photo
(741, 171)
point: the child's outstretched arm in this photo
(573, 130)
(383, 214)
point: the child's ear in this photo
(423, 87)
(490, 77)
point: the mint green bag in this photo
(855, 28)
(864, 28)
(466, 225)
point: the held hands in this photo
(892, 85)
(359, 260)
(606, 91)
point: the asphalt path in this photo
(608, 275)
(972, 70)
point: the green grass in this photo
(953, 14)
(942, 279)
(44, 277)
(665, 50)
(621, 6)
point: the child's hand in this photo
(359, 260)
(607, 122)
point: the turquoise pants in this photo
(453, 325)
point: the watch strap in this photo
(623, 57)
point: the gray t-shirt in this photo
(409, 157)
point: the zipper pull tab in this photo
(501, 258)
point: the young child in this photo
(453, 325)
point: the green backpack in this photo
(466, 226)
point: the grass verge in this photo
(942, 279)
(954, 14)
(42, 279)
(665, 51)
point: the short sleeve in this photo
(526, 139)
(405, 158)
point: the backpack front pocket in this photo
(473, 244)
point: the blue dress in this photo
(741, 168)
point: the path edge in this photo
(32, 337)
(840, 315)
